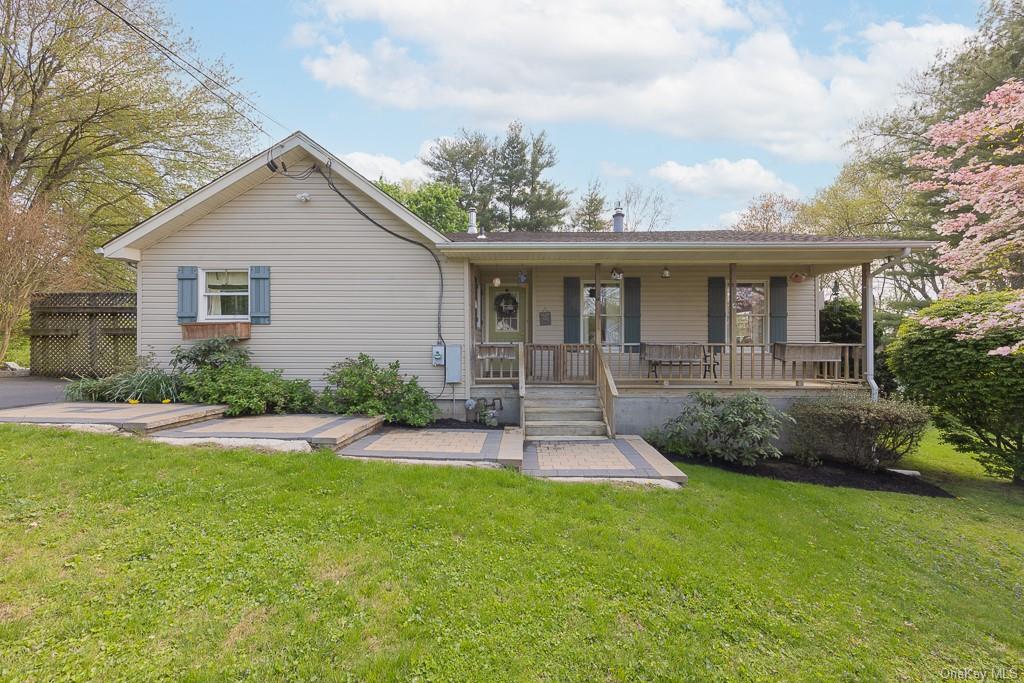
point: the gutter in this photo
(676, 246)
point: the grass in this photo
(128, 560)
(18, 351)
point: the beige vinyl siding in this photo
(339, 285)
(674, 309)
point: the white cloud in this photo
(722, 178)
(695, 70)
(730, 218)
(303, 34)
(614, 170)
(374, 166)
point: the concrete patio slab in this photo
(139, 417)
(625, 458)
(274, 445)
(481, 445)
(318, 430)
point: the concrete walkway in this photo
(27, 391)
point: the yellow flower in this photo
(133, 401)
(166, 400)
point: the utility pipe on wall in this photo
(867, 327)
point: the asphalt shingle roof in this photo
(725, 236)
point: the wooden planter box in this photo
(194, 331)
(807, 352)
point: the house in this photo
(571, 333)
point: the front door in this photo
(508, 314)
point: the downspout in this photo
(868, 323)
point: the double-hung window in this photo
(751, 313)
(224, 295)
(611, 313)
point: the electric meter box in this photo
(452, 361)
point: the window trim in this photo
(765, 319)
(202, 315)
(585, 330)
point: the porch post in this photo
(732, 323)
(867, 327)
(597, 304)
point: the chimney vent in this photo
(472, 220)
(618, 219)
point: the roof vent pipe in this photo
(472, 220)
(618, 220)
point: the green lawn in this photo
(18, 351)
(126, 560)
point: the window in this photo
(506, 312)
(751, 313)
(611, 313)
(225, 294)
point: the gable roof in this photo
(248, 174)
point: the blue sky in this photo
(708, 101)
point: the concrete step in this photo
(557, 412)
(565, 428)
(566, 438)
(561, 390)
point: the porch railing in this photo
(681, 363)
(560, 363)
(607, 391)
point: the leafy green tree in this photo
(98, 123)
(465, 161)
(436, 203)
(590, 213)
(976, 393)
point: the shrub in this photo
(146, 383)
(248, 390)
(209, 353)
(738, 429)
(840, 322)
(976, 397)
(853, 429)
(359, 385)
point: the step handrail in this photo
(607, 392)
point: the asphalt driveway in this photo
(28, 391)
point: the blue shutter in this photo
(259, 295)
(571, 310)
(777, 309)
(188, 294)
(631, 313)
(716, 309)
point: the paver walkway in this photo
(139, 417)
(627, 457)
(318, 430)
(430, 444)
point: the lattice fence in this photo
(89, 334)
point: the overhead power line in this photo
(199, 75)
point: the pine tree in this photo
(590, 213)
(545, 202)
(511, 178)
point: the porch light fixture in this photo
(797, 278)
(521, 277)
(666, 273)
(496, 282)
(616, 274)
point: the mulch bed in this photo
(830, 474)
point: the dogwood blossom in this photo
(976, 168)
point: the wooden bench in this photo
(685, 355)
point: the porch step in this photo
(567, 438)
(565, 428)
(563, 391)
(534, 402)
(559, 411)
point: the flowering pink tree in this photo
(976, 165)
